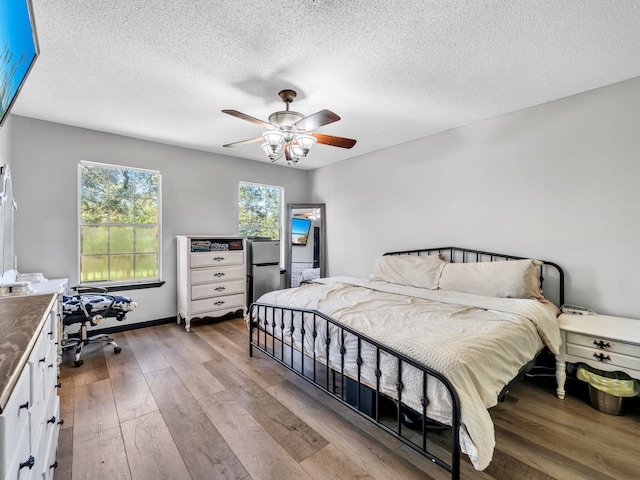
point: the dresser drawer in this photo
(605, 344)
(217, 289)
(609, 358)
(222, 274)
(14, 421)
(21, 455)
(217, 303)
(216, 258)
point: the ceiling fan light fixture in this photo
(296, 151)
(275, 140)
(305, 142)
(273, 156)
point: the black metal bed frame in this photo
(333, 381)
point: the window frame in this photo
(114, 285)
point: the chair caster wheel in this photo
(117, 349)
(78, 363)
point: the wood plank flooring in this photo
(177, 405)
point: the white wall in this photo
(559, 182)
(5, 143)
(199, 196)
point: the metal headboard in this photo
(549, 271)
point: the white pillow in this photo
(505, 279)
(422, 271)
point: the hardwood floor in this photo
(177, 405)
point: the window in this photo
(259, 210)
(119, 224)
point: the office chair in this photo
(88, 307)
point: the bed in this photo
(424, 346)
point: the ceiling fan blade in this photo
(249, 118)
(334, 141)
(315, 120)
(244, 142)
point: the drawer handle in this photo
(42, 360)
(218, 274)
(58, 385)
(218, 259)
(601, 357)
(219, 302)
(601, 344)
(55, 465)
(24, 405)
(29, 463)
(52, 420)
(219, 289)
(50, 334)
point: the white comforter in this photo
(478, 343)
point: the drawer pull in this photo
(219, 302)
(29, 463)
(218, 259)
(58, 385)
(52, 420)
(61, 422)
(24, 405)
(601, 357)
(55, 465)
(50, 334)
(219, 289)
(601, 344)
(42, 360)
(218, 274)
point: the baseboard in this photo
(132, 326)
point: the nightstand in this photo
(603, 342)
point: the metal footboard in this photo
(274, 332)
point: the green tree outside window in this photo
(119, 224)
(259, 210)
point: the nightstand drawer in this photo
(217, 289)
(216, 258)
(222, 274)
(603, 357)
(603, 344)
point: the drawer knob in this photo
(218, 274)
(601, 357)
(24, 405)
(219, 302)
(219, 289)
(218, 259)
(58, 385)
(601, 344)
(42, 360)
(29, 463)
(52, 420)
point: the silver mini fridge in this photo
(263, 267)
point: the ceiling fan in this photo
(289, 133)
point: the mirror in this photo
(305, 240)
(7, 207)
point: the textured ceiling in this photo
(394, 71)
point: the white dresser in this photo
(603, 342)
(29, 402)
(212, 276)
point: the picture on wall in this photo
(300, 230)
(18, 50)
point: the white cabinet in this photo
(604, 342)
(212, 276)
(29, 402)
